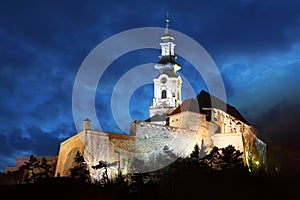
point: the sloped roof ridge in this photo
(203, 100)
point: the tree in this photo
(104, 176)
(44, 169)
(203, 150)
(224, 158)
(80, 170)
(30, 170)
(120, 179)
(231, 158)
(212, 160)
(195, 154)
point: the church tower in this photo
(167, 85)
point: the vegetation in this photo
(34, 170)
(220, 174)
(104, 180)
(196, 153)
(80, 170)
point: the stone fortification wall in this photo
(114, 149)
(226, 122)
(96, 148)
(67, 153)
(153, 145)
(122, 149)
(156, 141)
(188, 120)
(254, 149)
(152, 137)
(223, 140)
(197, 122)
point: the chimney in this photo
(86, 124)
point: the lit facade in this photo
(167, 85)
(181, 125)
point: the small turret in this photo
(86, 124)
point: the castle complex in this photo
(171, 131)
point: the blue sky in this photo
(254, 44)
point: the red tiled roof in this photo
(120, 136)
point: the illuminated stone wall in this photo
(187, 120)
(254, 150)
(150, 141)
(67, 153)
(197, 122)
(95, 146)
(226, 122)
(152, 138)
(108, 147)
(223, 140)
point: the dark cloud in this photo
(280, 125)
(140, 102)
(255, 45)
(233, 27)
(32, 141)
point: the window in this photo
(163, 94)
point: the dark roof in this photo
(165, 68)
(204, 100)
(169, 72)
(167, 59)
(187, 105)
(87, 119)
(156, 118)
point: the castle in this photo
(171, 131)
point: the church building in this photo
(167, 85)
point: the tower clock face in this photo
(163, 80)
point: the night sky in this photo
(254, 44)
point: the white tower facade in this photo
(167, 85)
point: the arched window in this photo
(163, 94)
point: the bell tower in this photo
(167, 85)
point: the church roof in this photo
(169, 73)
(203, 100)
(167, 59)
(156, 118)
(164, 68)
(188, 105)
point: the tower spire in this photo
(167, 85)
(167, 29)
(167, 45)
